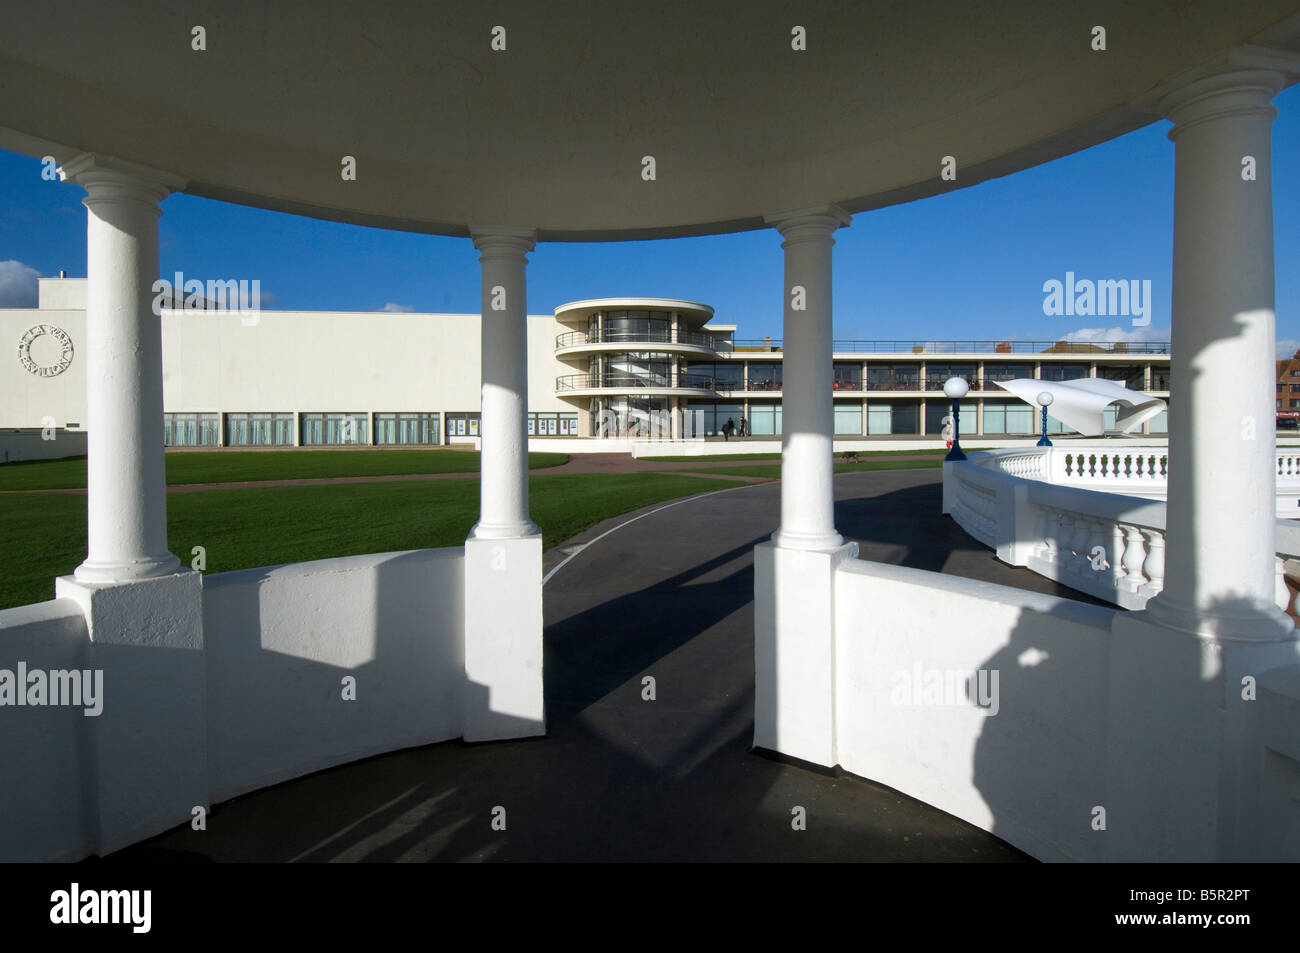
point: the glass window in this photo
(893, 376)
(848, 417)
(1160, 422)
(936, 374)
(462, 425)
(1007, 372)
(848, 375)
(1009, 417)
(1131, 376)
(638, 369)
(259, 430)
(764, 376)
(1160, 378)
(937, 411)
(191, 430)
(552, 424)
(879, 419)
(335, 429)
(407, 429)
(646, 326)
(720, 375)
(1064, 372)
(764, 419)
(893, 416)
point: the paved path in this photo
(616, 463)
(618, 778)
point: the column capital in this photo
(1220, 95)
(109, 179)
(822, 218)
(503, 240)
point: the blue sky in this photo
(967, 264)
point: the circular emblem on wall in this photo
(52, 357)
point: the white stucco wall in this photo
(281, 640)
(303, 361)
(44, 782)
(1030, 773)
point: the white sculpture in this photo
(1081, 404)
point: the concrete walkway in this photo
(668, 595)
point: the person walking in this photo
(727, 429)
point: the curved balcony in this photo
(577, 385)
(686, 342)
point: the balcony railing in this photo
(909, 384)
(696, 338)
(631, 382)
(970, 347)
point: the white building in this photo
(607, 368)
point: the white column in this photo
(503, 511)
(807, 493)
(125, 480)
(1219, 569)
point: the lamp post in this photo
(1044, 400)
(955, 388)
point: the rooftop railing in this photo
(969, 347)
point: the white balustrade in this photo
(1080, 498)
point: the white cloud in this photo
(1286, 348)
(1115, 335)
(397, 308)
(17, 285)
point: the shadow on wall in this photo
(315, 664)
(1149, 749)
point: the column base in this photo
(503, 692)
(147, 749)
(821, 543)
(96, 573)
(519, 530)
(1236, 622)
(794, 650)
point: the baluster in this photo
(1281, 595)
(1116, 556)
(1154, 566)
(1135, 554)
(1047, 532)
(1081, 563)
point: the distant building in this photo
(1288, 387)
(607, 367)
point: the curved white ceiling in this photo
(551, 133)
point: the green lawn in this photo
(43, 535)
(723, 457)
(775, 471)
(233, 466)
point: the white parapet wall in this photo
(1090, 517)
(315, 664)
(213, 686)
(44, 749)
(1023, 753)
(1074, 732)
